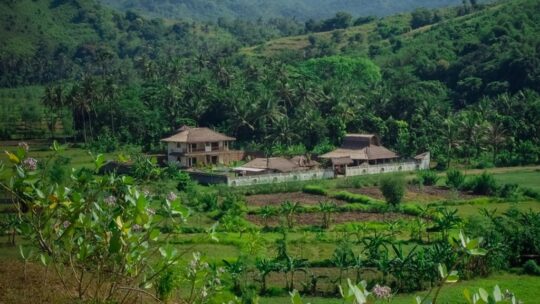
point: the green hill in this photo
(211, 10)
(489, 50)
(49, 40)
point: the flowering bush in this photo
(99, 233)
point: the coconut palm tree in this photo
(496, 136)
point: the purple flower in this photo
(30, 164)
(66, 224)
(110, 200)
(382, 292)
(171, 196)
(136, 228)
(24, 145)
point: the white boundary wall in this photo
(280, 178)
(411, 165)
(382, 168)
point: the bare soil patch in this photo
(38, 287)
(276, 199)
(315, 218)
(41, 285)
(418, 194)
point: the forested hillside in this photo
(212, 10)
(46, 40)
(461, 83)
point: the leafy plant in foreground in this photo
(99, 233)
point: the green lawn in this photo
(529, 179)
(525, 287)
(468, 210)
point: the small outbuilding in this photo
(358, 149)
(267, 166)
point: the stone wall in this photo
(280, 177)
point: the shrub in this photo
(208, 202)
(93, 224)
(352, 197)
(184, 181)
(483, 184)
(393, 189)
(428, 177)
(484, 163)
(530, 267)
(313, 189)
(104, 143)
(455, 179)
(531, 193)
(411, 209)
(509, 191)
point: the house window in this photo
(178, 145)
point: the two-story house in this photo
(191, 147)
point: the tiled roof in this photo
(273, 163)
(196, 135)
(361, 147)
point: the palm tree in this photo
(52, 102)
(312, 282)
(374, 243)
(235, 270)
(473, 131)
(445, 220)
(451, 138)
(265, 267)
(288, 209)
(327, 208)
(83, 99)
(496, 136)
(402, 264)
(342, 258)
(267, 212)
